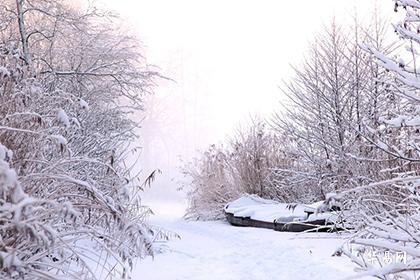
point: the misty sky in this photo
(228, 58)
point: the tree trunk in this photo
(22, 32)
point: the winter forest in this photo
(324, 186)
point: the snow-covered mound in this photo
(256, 208)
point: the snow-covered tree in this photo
(330, 99)
(389, 210)
(69, 203)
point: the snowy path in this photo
(216, 250)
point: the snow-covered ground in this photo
(217, 250)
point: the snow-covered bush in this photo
(209, 187)
(69, 205)
(387, 220)
(221, 174)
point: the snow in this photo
(63, 118)
(10, 260)
(402, 120)
(401, 62)
(4, 72)
(83, 104)
(8, 176)
(314, 207)
(60, 139)
(264, 210)
(382, 145)
(328, 217)
(415, 121)
(5, 152)
(76, 122)
(217, 250)
(19, 196)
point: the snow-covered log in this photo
(251, 210)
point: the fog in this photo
(227, 60)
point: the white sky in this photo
(228, 58)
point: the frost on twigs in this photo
(83, 104)
(388, 214)
(388, 211)
(72, 214)
(61, 141)
(63, 118)
(222, 174)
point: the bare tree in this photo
(69, 80)
(389, 210)
(329, 103)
